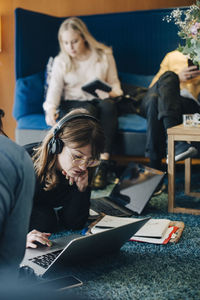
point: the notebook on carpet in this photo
(131, 194)
(67, 250)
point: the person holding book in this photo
(64, 163)
(174, 91)
(81, 60)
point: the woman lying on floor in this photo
(63, 164)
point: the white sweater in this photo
(67, 85)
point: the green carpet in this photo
(147, 271)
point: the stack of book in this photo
(156, 231)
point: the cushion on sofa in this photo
(29, 95)
(132, 123)
(32, 121)
(135, 79)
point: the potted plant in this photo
(188, 22)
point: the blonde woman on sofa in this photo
(64, 164)
(81, 60)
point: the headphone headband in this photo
(55, 144)
(72, 117)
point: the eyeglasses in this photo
(83, 161)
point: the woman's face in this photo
(73, 43)
(68, 159)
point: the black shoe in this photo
(100, 178)
(183, 150)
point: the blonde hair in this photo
(80, 132)
(79, 26)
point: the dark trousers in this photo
(104, 110)
(161, 101)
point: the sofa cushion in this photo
(132, 123)
(135, 79)
(29, 95)
(32, 121)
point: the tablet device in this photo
(94, 85)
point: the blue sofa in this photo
(139, 39)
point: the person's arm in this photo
(35, 236)
(188, 73)
(54, 91)
(112, 79)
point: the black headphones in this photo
(55, 144)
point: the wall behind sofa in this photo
(57, 8)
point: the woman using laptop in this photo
(81, 60)
(64, 163)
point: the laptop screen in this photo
(137, 184)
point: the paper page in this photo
(108, 222)
(152, 240)
(155, 228)
(93, 213)
(113, 221)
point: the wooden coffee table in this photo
(180, 133)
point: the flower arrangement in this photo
(188, 22)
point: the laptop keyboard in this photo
(101, 205)
(45, 260)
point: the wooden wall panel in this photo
(57, 8)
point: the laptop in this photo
(131, 194)
(69, 250)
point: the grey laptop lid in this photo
(79, 248)
(137, 184)
(130, 196)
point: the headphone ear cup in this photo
(55, 146)
(59, 146)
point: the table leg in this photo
(187, 175)
(171, 174)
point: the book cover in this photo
(96, 84)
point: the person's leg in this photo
(169, 99)
(66, 106)
(171, 107)
(17, 182)
(107, 113)
(183, 149)
(108, 118)
(155, 131)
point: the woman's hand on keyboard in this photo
(36, 238)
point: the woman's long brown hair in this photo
(79, 132)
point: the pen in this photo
(105, 227)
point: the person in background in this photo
(64, 164)
(81, 60)
(174, 91)
(17, 182)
